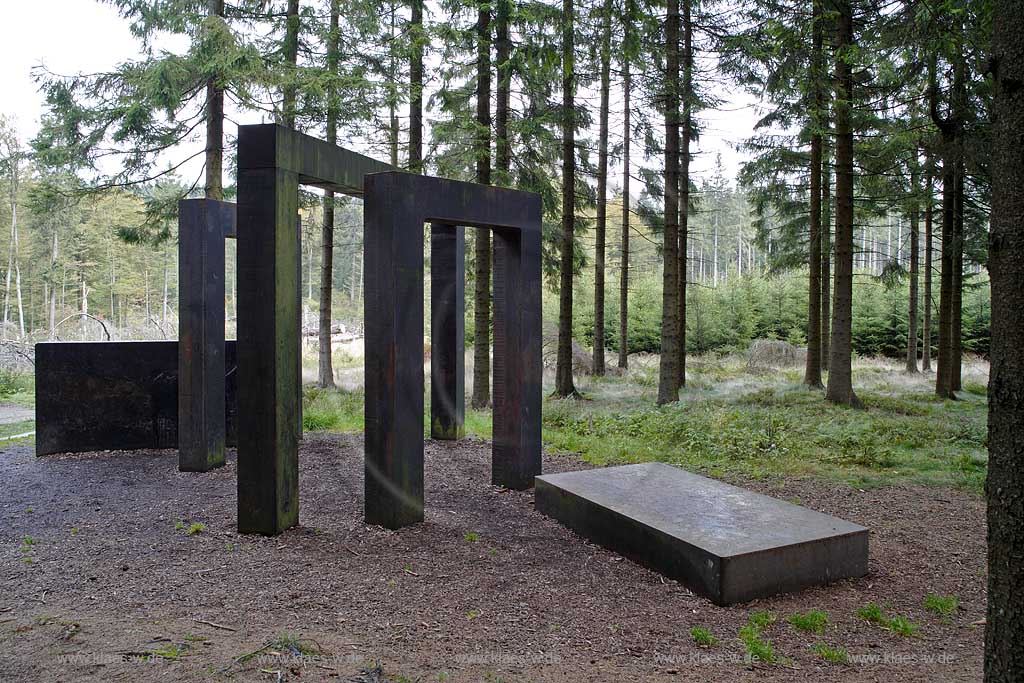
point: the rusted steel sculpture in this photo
(203, 224)
(272, 162)
(395, 208)
(153, 394)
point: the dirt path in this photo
(11, 413)
(485, 590)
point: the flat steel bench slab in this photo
(726, 543)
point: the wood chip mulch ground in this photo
(101, 580)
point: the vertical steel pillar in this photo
(393, 319)
(515, 456)
(447, 332)
(202, 226)
(268, 341)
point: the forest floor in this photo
(115, 566)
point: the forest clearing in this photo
(158, 560)
(524, 341)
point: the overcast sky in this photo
(73, 36)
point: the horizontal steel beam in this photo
(315, 162)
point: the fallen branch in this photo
(16, 347)
(83, 315)
(210, 623)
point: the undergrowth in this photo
(729, 422)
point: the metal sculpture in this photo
(396, 206)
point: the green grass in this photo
(757, 648)
(195, 528)
(730, 423)
(703, 637)
(14, 428)
(899, 624)
(902, 626)
(872, 613)
(813, 621)
(172, 652)
(832, 655)
(942, 605)
(16, 385)
(762, 620)
(472, 537)
(784, 431)
(332, 410)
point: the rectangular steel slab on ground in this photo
(726, 543)
(272, 162)
(395, 208)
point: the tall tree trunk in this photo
(687, 101)
(957, 284)
(942, 374)
(214, 123)
(54, 253)
(739, 250)
(668, 376)
(812, 369)
(960, 113)
(291, 56)
(84, 303)
(564, 385)
(626, 134)
(325, 365)
(1004, 489)
(888, 237)
(416, 88)
(482, 249)
(113, 283)
(826, 257)
(13, 195)
(393, 128)
(163, 306)
(926, 330)
(352, 276)
(840, 376)
(14, 260)
(947, 378)
(602, 187)
(7, 285)
(912, 312)
(503, 53)
(714, 252)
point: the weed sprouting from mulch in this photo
(814, 621)
(758, 648)
(832, 655)
(942, 605)
(703, 637)
(899, 624)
